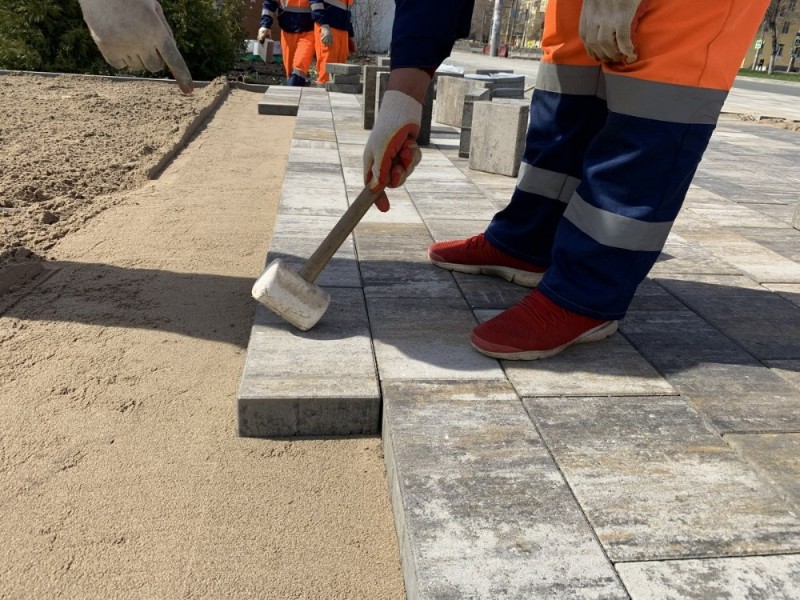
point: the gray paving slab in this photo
(762, 322)
(402, 209)
(296, 237)
(480, 507)
(783, 213)
(343, 69)
(498, 136)
(752, 578)
(394, 262)
(733, 390)
(760, 263)
(776, 456)
(652, 297)
(317, 383)
(487, 293)
(682, 257)
(788, 370)
(611, 367)
(448, 228)
(427, 339)
(730, 214)
(280, 101)
(780, 239)
(326, 200)
(656, 483)
(464, 200)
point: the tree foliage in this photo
(51, 36)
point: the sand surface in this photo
(121, 475)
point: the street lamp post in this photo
(494, 40)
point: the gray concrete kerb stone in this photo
(470, 99)
(368, 106)
(280, 100)
(343, 69)
(498, 136)
(450, 95)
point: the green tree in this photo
(51, 36)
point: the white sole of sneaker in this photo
(600, 332)
(518, 276)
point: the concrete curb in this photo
(204, 115)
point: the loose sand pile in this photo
(68, 142)
(121, 474)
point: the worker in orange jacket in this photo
(333, 30)
(297, 36)
(627, 97)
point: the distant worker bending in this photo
(335, 39)
(297, 36)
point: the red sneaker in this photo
(535, 328)
(477, 256)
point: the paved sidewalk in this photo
(660, 463)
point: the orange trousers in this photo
(337, 52)
(298, 52)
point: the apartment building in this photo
(521, 24)
(788, 47)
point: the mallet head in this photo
(291, 297)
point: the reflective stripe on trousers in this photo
(611, 150)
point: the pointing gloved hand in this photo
(135, 34)
(606, 27)
(326, 35)
(264, 34)
(392, 153)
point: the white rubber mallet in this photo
(294, 296)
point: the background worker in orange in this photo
(297, 36)
(333, 30)
(627, 97)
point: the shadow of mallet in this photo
(294, 296)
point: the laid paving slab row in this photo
(501, 497)
(292, 386)
(481, 508)
(657, 484)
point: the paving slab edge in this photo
(201, 119)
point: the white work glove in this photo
(135, 34)
(264, 34)
(326, 35)
(606, 27)
(392, 153)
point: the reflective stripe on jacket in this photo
(294, 16)
(335, 13)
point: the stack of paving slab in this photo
(659, 463)
(451, 92)
(345, 78)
